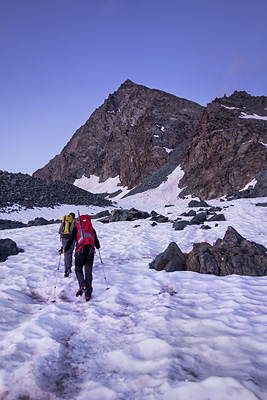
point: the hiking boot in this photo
(81, 291)
(67, 273)
(88, 298)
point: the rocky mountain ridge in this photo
(142, 135)
(130, 135)
(229, 147)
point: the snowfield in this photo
(144, 334)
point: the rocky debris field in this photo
(32, 192)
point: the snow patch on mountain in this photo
(165, 194)
(252, 183)
(93, 185)
(168, 150)
(252, 116)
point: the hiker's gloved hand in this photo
(61, 251)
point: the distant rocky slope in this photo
(130, 135)
(31, 192)
(229, 147)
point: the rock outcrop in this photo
(229, 147)
(231, 255)
(130, 135)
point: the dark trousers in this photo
(67, 254)
(85, 260)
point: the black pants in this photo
(86, 260)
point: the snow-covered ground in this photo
(151, 335)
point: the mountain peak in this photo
(130, 136)
(127, 84)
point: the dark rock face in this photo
(128, 136)
(260, 189)
(227, 151)
(231, 255)
(8, 248)
(172, 259)
(127, 215)
(34, 192)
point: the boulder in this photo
(196, 203)
(261, 204)
(217, 217)
(199, 218)
(172, 259)
(180, 225)
(127, 215)
(39, 221)
(8, 248)
(160, 218)
(190, 213)
(205, 227)
(215, 209)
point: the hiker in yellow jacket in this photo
(65, 230)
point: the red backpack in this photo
(85, 232)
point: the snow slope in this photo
(152, 335)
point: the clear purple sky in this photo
(60, 59)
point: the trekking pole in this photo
(53, 301)
(100, 256)
(103, 269)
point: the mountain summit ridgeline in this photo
(142, 135)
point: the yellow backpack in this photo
(68, 223)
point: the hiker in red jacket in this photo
(86, 242)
